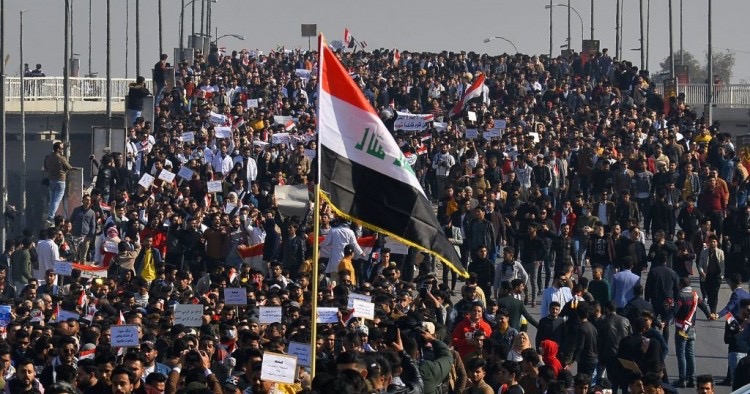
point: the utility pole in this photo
(617, 30)
(137, 38)
(90, 36)
(23, 126)
(109, 73)
(203, 16)
(66, 83)
(592, 19)
(648, 32)
(192, 20)
(682, 58)
(4, 141)
(710, 98)
(570, 43)
(550, 28)
(161, 37)
(643, 41)
(127, 37)
(208, 20)
(182, 31)
(671, 43)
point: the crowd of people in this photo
(563, 165)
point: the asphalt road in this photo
(710, 350)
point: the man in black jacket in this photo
(585, 351)
(611, 329)
(484, 269)
(662, 288)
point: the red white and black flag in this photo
(475, 90)
(396, 58)
(364, 175)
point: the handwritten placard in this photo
(188, 315)
(310, 153)
(278, 368)
(357, 296)
(500, 124)
(167, 176)
(237, 296)
(5, 315)
(364, 309)
(223, 132)
(472, 134)
(278, 119)
(188, 136)
(252, 103)
(124, 336)
(491, 133)
(270, 314)
(64, 268)
(328, 315)
(302, 351)
(146, 181)
(396, 247)
(472, 116)
(281, 138)
(185, 173)
(230, 207)
(214, 186)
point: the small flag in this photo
(730, 318)
(347, 37)
(475, 90)
(232, 275)
(396, 58)
(83, 300)
(121, 319)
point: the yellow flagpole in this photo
(316, 231)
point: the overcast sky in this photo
(407, 24)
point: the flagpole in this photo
(316, 234)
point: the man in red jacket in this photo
(712, 202)
(463, 334)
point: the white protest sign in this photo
(471, 134)
(124, 336)
(357, 296)
(328, 315)
(411, 122)
(236, 296)
(188, 315)
(167, 176)
(281, 138)
(64, 268)
(214, 186)
(4, 315)
(252, 103)
(472, 116)
(440, 126)
(260, 143)
(396, 246)
(146, 181)
(63, 315)
(188, 136)
(501, 124)
(364, 309)
(310, 153)
(534, 135)
(94, 273)
(282, 120)
(278, 368)
(270, 314)
(302, 73)
(185, 173)
(302, 351)
(229, 207)
(217, 119)
(491, 133)
(223, 132)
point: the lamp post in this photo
(570, 8)
(488, 39)
(550, 29)
(66, 84)
(109, 74)
(671, 43)
(23, 124)
(137, 38)
(237, 36)
(4, 140)
(643, 42)
(592, 20)
(161, 36)
(710, 98)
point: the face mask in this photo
(236, 152)
(231, 334)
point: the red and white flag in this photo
(232, 275)
(347, 37)
(475, 90)
(396, 58)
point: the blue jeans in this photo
(685, 349)
(733, 358)
(56, 192)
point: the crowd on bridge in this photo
(549, 184)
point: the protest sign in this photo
(235, 296)
(328, 315)
(357, 296)
(252, 103)
(124, 336)
(146, 181)
(278, 368)
(188, 136)
(63, 315)
(364, 309)
(281, 138)
(270, 314)
(396, 246)
(217, 119)
(491, 133)
(411, 122)
(166, 175)
(229, 207)
(472, 116)
(214, 186)
(185, 173)
(302, 351)
(63, 268)
(472, 134)
(4, 315)
(310, 153)
(223, 132)
(188, 315)
(282, 120)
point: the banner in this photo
(412, 122)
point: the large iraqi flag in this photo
(364, 175)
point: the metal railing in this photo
(81, 89)
(726, 96)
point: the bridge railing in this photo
(724, 95)
(81, 89)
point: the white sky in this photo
(407, 24)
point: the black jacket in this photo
(662, 283)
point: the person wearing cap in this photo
(150, 365)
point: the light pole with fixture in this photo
(570, 8)
(23, 124)
(488, 39)
(237, 36)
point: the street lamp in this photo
(237, 36)
(488, 39)
(570, 7)
(182, 21)
(23, 124)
